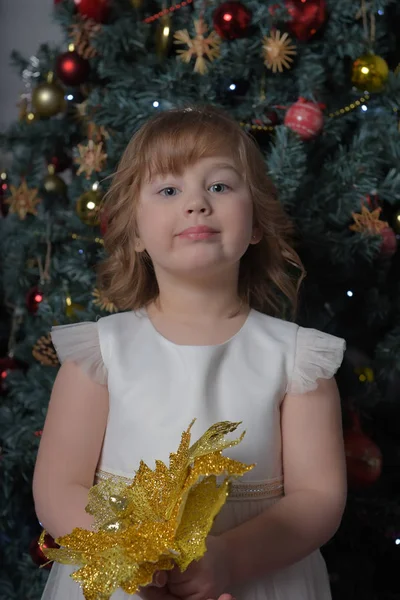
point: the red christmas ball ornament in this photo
(71, 68)
(305, 118)
(97, 10)
(306, 17)
(4, 193)
(60, 161)
(33, 299)
(231, 20)
(7, 364)
(272, 117)
(363, 457)
(389, 242)
(36, 551)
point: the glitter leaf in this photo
(160, 519)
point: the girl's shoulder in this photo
(87, 343)
(311, 354)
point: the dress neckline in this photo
(239, 332)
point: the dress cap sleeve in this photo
(80, 343)
(318, 356)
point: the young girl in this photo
(200, 263)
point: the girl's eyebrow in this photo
(224, 166)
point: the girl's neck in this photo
(198, 302)
(198, 324)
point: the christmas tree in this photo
(316, 83)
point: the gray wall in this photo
(24, 25)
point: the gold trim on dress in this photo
(239, 490)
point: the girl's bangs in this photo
(172, 149)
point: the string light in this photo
(96, 240)
(166, 11)
(257, 127)
(346, 109)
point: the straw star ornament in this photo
(82, 34)
(100, 300)
(278, 51)
(23, 201)
(368, 221)
(202, 46)
(91, 158)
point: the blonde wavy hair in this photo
(270, 272)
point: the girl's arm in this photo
(69, 451)
(315, 489)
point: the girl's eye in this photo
(168, 191)
(219, 187)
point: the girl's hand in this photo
(204, 579)
(158, 590)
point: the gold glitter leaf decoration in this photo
(161, 519)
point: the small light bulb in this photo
(69, 97)
(364, 107)
(232, 86)
(364, 70)
(90, 205)
(349, 293)
(397, 542)
(156, 104)
(95, 186)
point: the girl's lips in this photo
(200, 232)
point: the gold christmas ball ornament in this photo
(370, 73)
(73, 309)
(88, 207)
(48, 99)
(396, 221)
(53, 184)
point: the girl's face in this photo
(199, 223)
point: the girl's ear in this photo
(256, 235)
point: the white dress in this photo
(156, 388)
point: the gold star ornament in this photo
(158, 520)
(23, 201)
(368, 221)
(202, 46)
(278, 51)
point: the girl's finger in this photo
(160, 579)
